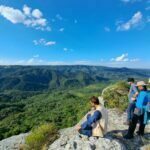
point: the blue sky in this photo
(112, 33)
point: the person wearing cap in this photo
(133, 93)
(142, 100)
(96, 121)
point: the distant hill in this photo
(43, 78)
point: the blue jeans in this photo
(130, 111)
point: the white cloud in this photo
(30, 19)
(41, 22)
(44, 42)
(11, 14)
(125, 1)
(32, 61)
(61, 29)
(107, 29)
(27, 10)
(124, 58)
(131, 1)
(35, 42)
(59, 17)
(50, 43)
(36, 56)
(135, 21)
(65, 49)
(37, 13)
(134, 60)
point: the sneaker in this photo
(128, 137)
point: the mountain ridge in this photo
(41, 78)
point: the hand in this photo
(133, 98)
(78, 127)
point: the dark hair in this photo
(144, 88)
(94, 100)
(130, 80)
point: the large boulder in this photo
(13, 143)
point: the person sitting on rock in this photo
(96, 121)
(133, 93)
(138, 116)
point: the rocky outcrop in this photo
(13, 143)
(70, 139)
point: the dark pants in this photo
(133, 124)
(86, 132)
(130, 111)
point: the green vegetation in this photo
(63, 108)
(40, 137)
(115, 96)
(32, 96)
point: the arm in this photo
(91, 119)
(135, 91)
(141, 100)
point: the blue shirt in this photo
(133, 90)
(142, 99)
(87, 125)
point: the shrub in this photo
(41, 136)
(115, 96)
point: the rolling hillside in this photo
(33, 95)
(42, 78)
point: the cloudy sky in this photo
(90, 32)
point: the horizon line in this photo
(63, 65)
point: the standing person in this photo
(142, 100)
(133, 93)
(96, 122)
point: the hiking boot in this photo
(127, 122)
(137, 132)
(128, 137)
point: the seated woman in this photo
(138, 116)
(96, 121)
